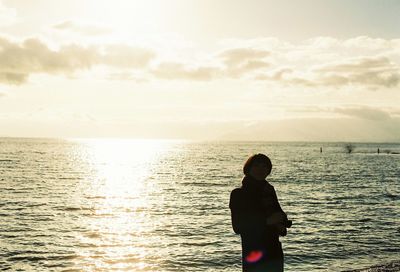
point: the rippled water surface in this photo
(104, 205)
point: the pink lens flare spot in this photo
(254, 256)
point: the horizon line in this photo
(193, 140)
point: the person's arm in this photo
(281, 227)
(276, 201)
(237, 211)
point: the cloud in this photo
(328, 62)
(82, 28)
(370, 72)
(19, 60)
(320, 62)
(367, 71)
(240, 61)
(138, 78)
(276, 75)
(230, 63)
(173, 70)
(363, 112)
(13, 78)
(354, 111)
(237, 56)
(126, 56)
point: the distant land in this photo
(302, 129)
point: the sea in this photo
(162, 205)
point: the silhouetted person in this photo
(320, 150)
(258, 218)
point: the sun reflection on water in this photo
(118, 192)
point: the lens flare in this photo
(254, 256)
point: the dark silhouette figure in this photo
(258, 218)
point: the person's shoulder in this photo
(270, 188)
(236, 198)
(236, 192)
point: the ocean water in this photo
(148, 205)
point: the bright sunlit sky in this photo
(314, 70)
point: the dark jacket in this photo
(250, 206)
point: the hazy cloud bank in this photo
(19, 60)
(318, 129)
(321, 62)
(82, 28)
(353, 111)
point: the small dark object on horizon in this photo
(349, 148)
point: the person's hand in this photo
(281, 229)
(277, 220)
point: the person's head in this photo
(258, 166)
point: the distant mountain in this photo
(318, 129)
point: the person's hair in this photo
(257, 158)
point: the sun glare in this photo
(131, 17)
(118, 192)
(122, 165)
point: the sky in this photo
(304, 70)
